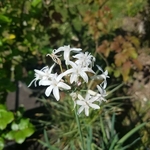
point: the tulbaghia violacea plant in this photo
(79, 70)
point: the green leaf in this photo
(1, 43)
(20, 131)
(129, 134)
(5, 117)
(132, 53)
(4, 19)
(28, 131)
(77, 24)
(117, 73)
(9, 135)
(24, 123)
(14, 126)
(1, 143)
(19, 137)
(35, 2)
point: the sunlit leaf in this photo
(35, 2)
(4, 19)
(2, 144)
(6, 117)
(132, 53)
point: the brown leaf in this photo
(126, 70)
(138, 64)
(120, 58)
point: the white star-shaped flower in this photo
(43, 74)
(86, 103)
(55, 84)
(76, 71)
(102, 76)
(85, 59)
(100, 95)
(67, 51)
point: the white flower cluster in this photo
(77, 73)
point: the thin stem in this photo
(79, 128)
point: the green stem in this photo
(79, 128)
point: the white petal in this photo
(63, 86)
(99, 89)
(104, 84)
(75, 49)
(59, 50)
(80, 55)
(40, 82)
(87, 97)
(41, 73)
(94, 106)
(35, 83)
(106, 73)
(80, 109)
(44, 68)
(50, 70)
(97, 77)
(80, 97)
(80, 102)
(87, 111)
(103, 76)
(99, 68)
(84, 76)
(59, 77)
(88, 70)
(66, 56)
(45, 82)
(93, 99)
(91, 92)
(31, 82)
(73, 77)
(56, 93)
(66, 72)
(49, 90)
(72, 64)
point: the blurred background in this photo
(116, 32)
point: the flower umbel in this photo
(77, 67)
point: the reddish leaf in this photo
(126, 70)
(138, 64)
(120, 58)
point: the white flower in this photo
(76, 71)
(98, 96)
(85, 59)
(86, 103)
(103, 77)
(43, 74)
(102, 94)
(67, 51)
(54, 85)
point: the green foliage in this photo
(20, 131)
(6, 117)
(1, 143)
(70, 131)
(14, 126)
